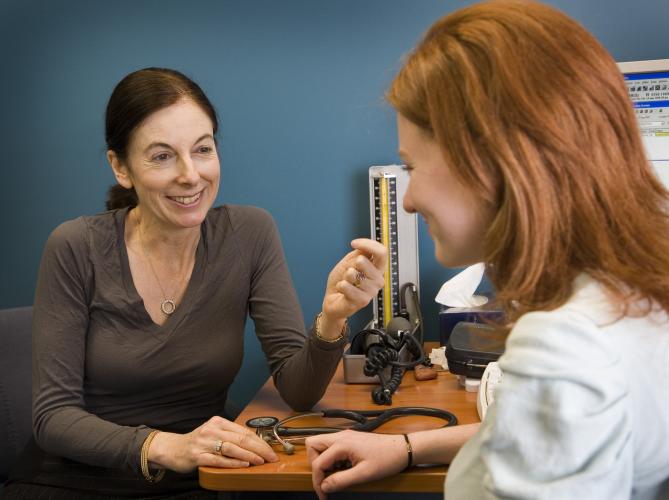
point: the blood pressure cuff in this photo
(472, 346)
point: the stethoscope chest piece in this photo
(258, 422)
(263, 427)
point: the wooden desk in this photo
(292, 472)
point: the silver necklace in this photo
(168, 306)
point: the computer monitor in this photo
(648, 88)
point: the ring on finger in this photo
(218, 447)
(359, 278)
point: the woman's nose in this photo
(188, 173)
(407, 201)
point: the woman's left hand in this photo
(354, 281)
(216, 443)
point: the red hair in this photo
(532, 113)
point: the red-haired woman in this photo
(524, 153)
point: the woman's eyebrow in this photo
(165, 145)
(157, 145)
(205, 136)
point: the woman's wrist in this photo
(159, 452)
(421, 448)
(329, 329)
(409, 450)
(150, 472)
(439, 446)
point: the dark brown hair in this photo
(532, 113)
(136, 97)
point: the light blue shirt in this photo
(582, 411)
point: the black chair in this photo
(15, 385)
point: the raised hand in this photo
(355, 280)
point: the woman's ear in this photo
(121, 171)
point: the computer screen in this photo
(648, 88)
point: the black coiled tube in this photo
(378, 358)
(383, 394)
(387, 353)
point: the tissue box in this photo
(451, 316)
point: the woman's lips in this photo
(187, 200)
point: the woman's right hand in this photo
(352, 284)
(369, 457)
(240, 447)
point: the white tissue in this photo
(459, 290)
(438, 357)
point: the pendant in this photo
(168, 306)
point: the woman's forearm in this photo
(439, 446)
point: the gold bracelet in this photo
(343, 333)
(144, 460)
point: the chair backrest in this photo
(15, 384)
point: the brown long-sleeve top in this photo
(104, 374)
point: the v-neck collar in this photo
(143, 318)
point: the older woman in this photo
(139, 313)
(524, 153)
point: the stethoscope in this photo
(273, 431)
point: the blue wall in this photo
(298, 85)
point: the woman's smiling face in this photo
(456, 216)
(173, 165)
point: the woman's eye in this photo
(205, 150)
(161, 157)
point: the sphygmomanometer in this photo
(390, 351)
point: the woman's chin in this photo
(451, 260)
(189, 217)
(442, 257)
(190, 220)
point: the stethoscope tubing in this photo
(361, 418)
